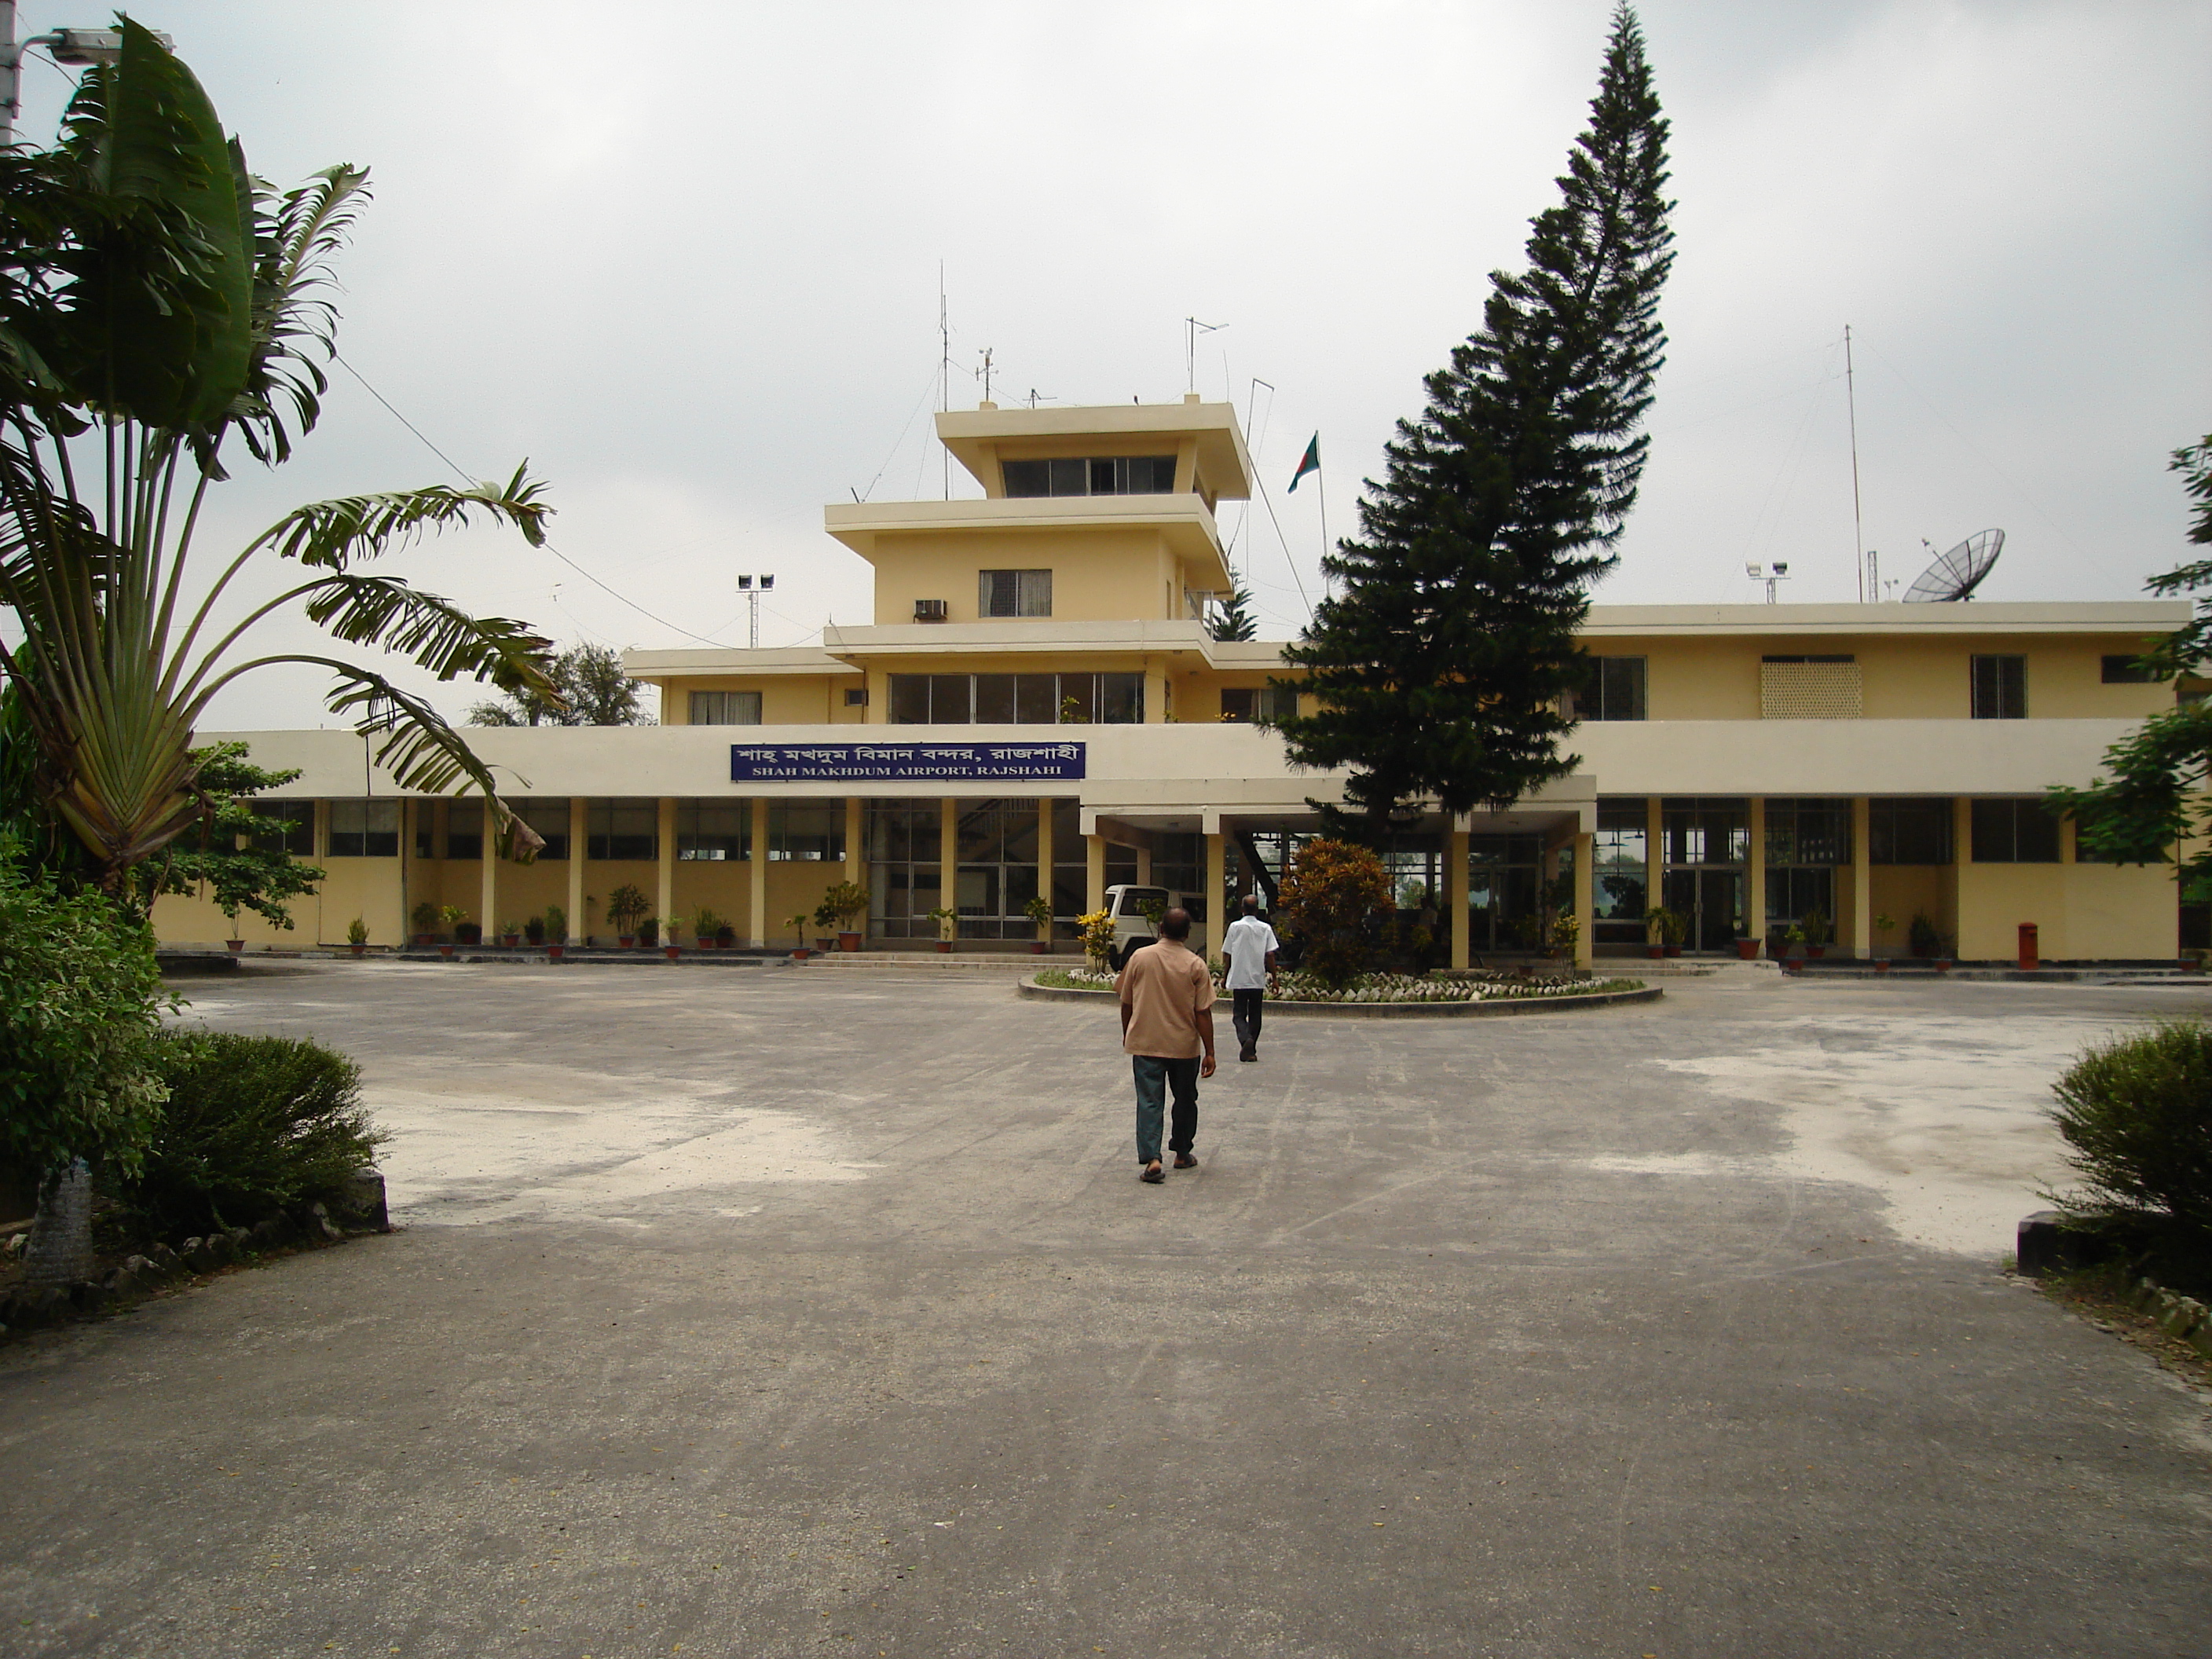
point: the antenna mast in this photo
(944, 369)
(1858, 527)
(1192, 328)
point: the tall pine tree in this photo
(1441, 661)
(1234, 621)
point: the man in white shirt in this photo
(1248, 948)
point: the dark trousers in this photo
(1155, 1076)
(1246, 1015)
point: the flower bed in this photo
(1381, 987)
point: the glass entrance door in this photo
(1713, 902)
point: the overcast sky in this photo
(688, 265)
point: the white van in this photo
(1133, 929)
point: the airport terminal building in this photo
(1040, 708)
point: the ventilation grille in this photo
(1810, 691)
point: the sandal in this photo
(1154, 1174)
(1185, 1161)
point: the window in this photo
(856, 697)
(1812, 831)
(1622, 870)
(550, 818)
(465, 829)
(1504, 883)
(725, 708)
(2015, 832)
(2126, 671)
(1071, 872)
(1014, 594)
(1909, 830)
(995, 867)
(1016, 699)
(1243, 704)
(2000, 688)
(1714, 829)
(714, 831)
(364, 830)
(1111, 475)
(624, 830)
(904, 881)
(806, 831)
(1615, 691)
(297, 837)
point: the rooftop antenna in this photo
(1956, 574)
(1858, 529)
(944, 369)
(1192, 328)
(983, 374)
(745, 585)
(1036, 398)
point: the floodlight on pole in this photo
(1769, 573)
(752, 587)
(78, 48)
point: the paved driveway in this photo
(819, 1311)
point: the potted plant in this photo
(469, 932)
(533, 931)
(357, 936)
(948, 928)
(846, 900)
(706, 928)
(625, 906)
(1039, 910)
(725, 936)
(1793, 952)
(556, 931)
(450, 916)
(510, 933)
(1746, 947)
(648, 931)
(230, 915)
(1655, 932)
(798, 926)
(1566, 933)
(1883, 923)
(1816, 931)
(425, 918)
(1921, 937)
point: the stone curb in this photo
(2044, 1248)
(1030, 988)
(362, 1209)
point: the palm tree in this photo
(155, 299)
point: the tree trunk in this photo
(60, 1251)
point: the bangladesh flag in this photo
(1311, 464)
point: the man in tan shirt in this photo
(1167, 1031)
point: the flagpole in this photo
(1320, 483)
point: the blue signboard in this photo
(856, 763)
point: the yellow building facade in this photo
(1040, 709)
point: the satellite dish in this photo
(1956, 574)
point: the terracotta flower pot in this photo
(945, 947)
(358, 950)
(626, 939)
(446, 951)
(848, 941)
(801, 954)
(1942, 964)
(424, 941)
(1673, 950)
(510, 940)
(1816, 952)
(1748, 949)
(674, 951)
(233, 945)
(1655, 952)
(1882, 965)
(555, 952)
(1038, 947)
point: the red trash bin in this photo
(2031, 955)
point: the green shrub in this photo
(1329, 899)
(253, 1124)
(2137, 1114)
(79, 1016)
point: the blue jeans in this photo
(1154, 1076)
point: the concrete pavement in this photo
(823, 1314)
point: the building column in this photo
(948, 857)
(1217, 881)
(1585, 898)
(1044, 858)
(664, 848)
(856, 851)
(580, 842)
(1144, 867)
(756, 886)
(1755, 872)
(1654, 855)
(489, 895)
(1094, 872)
(1456, 887)
(1862, 879)
(1962, 856)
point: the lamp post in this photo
(74, 47)
(752, 587)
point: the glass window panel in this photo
(464, 829)
(1033, 592)
(806, 832)
(624, 830)
(1028, 478)
(1069, 477)
(1909, 829)
(715, 832)
(725, 708)
(549, 816)
(1105, 479)
(1706, 830)
(364, 829)
(1999, 688)
(2125, 671)
(910, 700)
(296, 837)
(1078, 699)
(949, 700)
(1034, 699)
(1236, 703)
(994, 699)
(1120, 699)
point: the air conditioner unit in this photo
(929, 611)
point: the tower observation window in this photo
(1103, 475)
